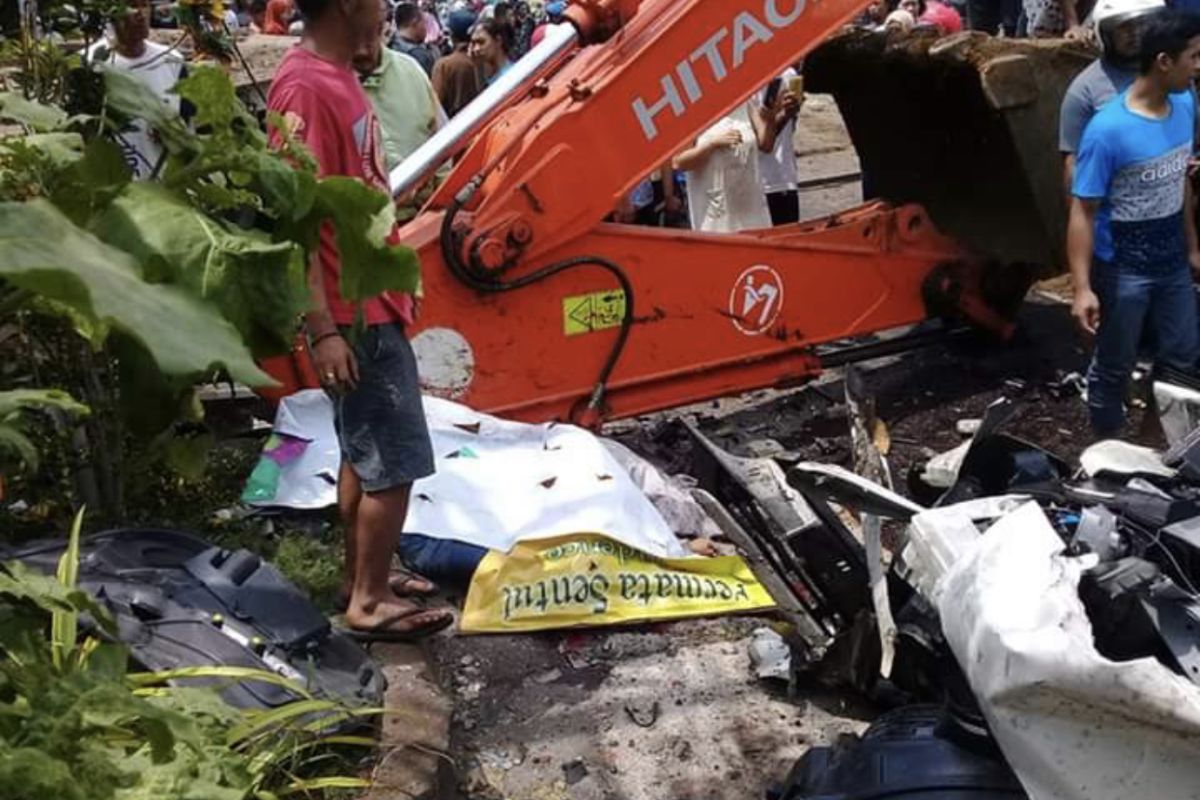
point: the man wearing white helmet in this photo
(1118, 28)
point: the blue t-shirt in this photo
(1137, 167)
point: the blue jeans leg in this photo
(446, 561)
(1133, 304)
(1124, 303)
(1173, 321)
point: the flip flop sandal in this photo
(383, 632)
(397, 581)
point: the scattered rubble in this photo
(715, 731)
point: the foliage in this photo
(14, 407)
(182, 233)
(194, 275)
(313, 565)
(103, 289)
(74, 725)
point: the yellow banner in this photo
(588, 580)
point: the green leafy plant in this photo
(195, 275)
(14, 408)
(74, 725)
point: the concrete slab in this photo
(414, 760)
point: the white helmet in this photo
(1105, 10)
(1108, 14)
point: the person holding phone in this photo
(781, 101)
(724, 190)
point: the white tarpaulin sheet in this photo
(500, 482)
(1074, 725)
(497, 482)
(308, 479)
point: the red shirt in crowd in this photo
(279, 14)
(943, 16)
(324, 107)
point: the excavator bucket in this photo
(966, 125)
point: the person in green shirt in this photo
(402, 96)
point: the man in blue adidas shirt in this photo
(1131, 243)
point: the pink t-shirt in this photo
(324, 107)
(943, 16)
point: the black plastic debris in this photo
(797, 546)
(916, 753)
(178, 602)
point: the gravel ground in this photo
(666, 711)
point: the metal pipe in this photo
(410, 172)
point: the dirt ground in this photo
(665, 711)
(674, 711)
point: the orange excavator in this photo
(537, 309)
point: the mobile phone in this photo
(796, 85)
(772, 92)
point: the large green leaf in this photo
(212, 93)
(363, 219)
(22, 399)
(90, 183)
(14, 403)
(13, 440)
(61, 147)
(287, 193)
(130, 97)
(18, 582)
(257, 284)
(42, 251)
(38, 774)
(15, 108)
(154, 402)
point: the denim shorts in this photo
(381, 424)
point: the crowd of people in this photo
(741, 173)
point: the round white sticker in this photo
(756, 299)
(445, 362)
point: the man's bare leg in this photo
(349, 492)
(349, 496)
(378, 522)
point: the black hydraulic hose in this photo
(484, 282)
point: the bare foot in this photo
(397, 620)
(403, 584)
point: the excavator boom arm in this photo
(538, 309)
(618, 110)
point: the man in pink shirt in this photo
(372, 376)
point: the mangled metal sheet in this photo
(1073, 724)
